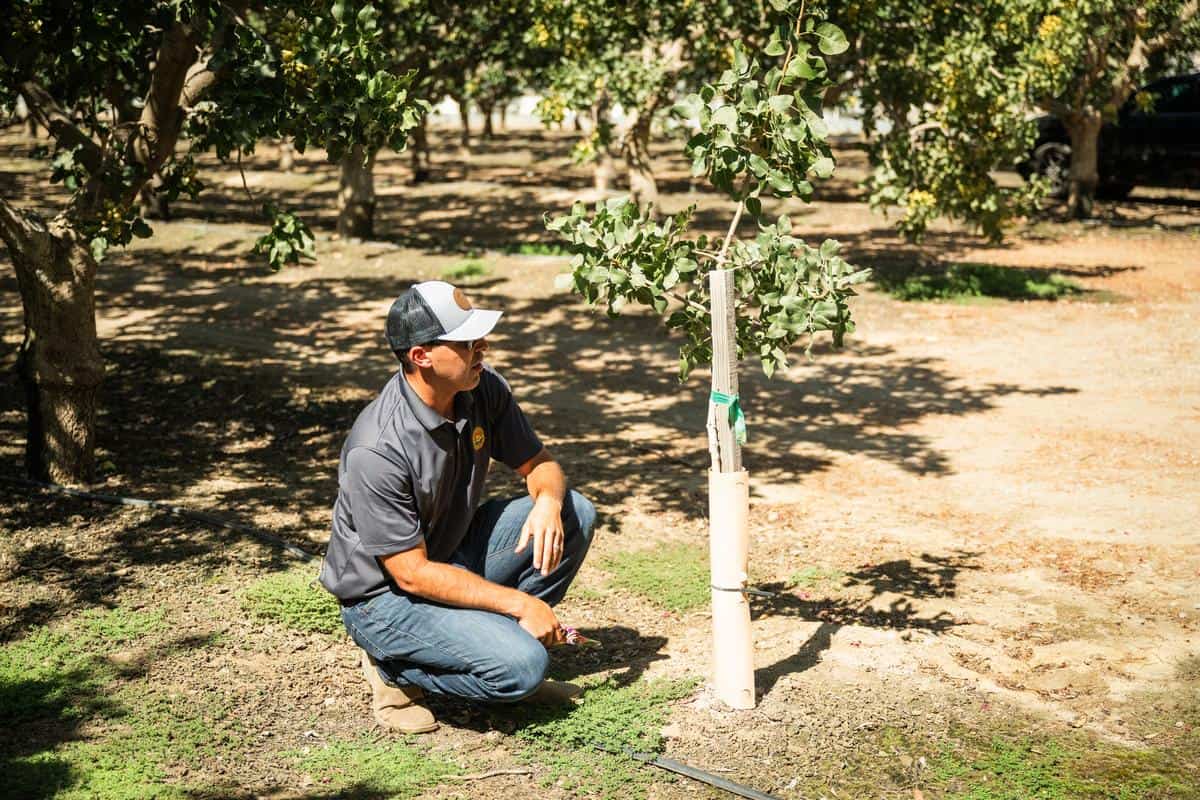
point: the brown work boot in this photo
(396, 707)
(555, 693)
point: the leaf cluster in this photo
(758, 132)
(317, 71)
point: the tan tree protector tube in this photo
(733, 648)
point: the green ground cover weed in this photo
(395, 769)
(55, 681)
(966, 281)
(538, 249)
(466, 270)
(609, 715)
(295, 600)
(811, 577)
(673, 576)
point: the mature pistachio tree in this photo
(120, 87)
(1084, 59)
(636, 56)
(758, 132)
(958, 84)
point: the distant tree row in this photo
(132, 92)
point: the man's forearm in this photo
(453, 586)
(547, 480)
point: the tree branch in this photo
(1143, 50)
(15, 227)
(53, 118)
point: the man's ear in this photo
(420, 356)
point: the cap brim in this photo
(478, 325)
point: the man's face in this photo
(458, 364)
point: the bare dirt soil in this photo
(975, 513)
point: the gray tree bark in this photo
(636, 146)
(1084, 131)
(59, 362)
(419, 152)
(356, 194)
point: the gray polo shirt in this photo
(409, 475)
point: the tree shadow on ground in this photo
(899, 584)
(65, 554)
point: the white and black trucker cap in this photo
(436, 310)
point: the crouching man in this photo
(443, 593)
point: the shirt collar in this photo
(430, 419)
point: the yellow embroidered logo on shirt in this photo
(477, 438)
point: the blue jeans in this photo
(474, 654)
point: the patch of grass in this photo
(611, 716)
(811, 577)
(365, 767)
(466, 270)
(969, 280)
(1008, 762)
(538, 249)
(53, 681)
(673, 576)
(1048, 768)
(59, 674)
(296, 600)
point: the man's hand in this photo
(544, 525)
(539, 621)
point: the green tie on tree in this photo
(758, 133)
(118, 85)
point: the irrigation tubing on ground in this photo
(695, 774)
(198, 516)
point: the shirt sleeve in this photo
(382, 505)
(513, 439)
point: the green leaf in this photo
(774, 47)
(726, 117)
(800, 68)
(140, 229)
(338, 11)
(781, 5)
(99, 246)
(781, 102)
(830, 39)
(754, 206)
(822, 167)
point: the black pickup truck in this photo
(1154, 145)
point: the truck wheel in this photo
(1052, 161)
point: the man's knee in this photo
(525, 669)
(584, 512)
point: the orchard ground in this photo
(980, 516)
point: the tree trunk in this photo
(486, 110)
(287, 155)
(605, 171)
(153, 202)
(59, 362)
(1084, 131)
(419, 152)
(636, 147)
(356, 194)
(504, 116)
(464, 137)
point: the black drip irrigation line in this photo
(198, 516)
(680, 768)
